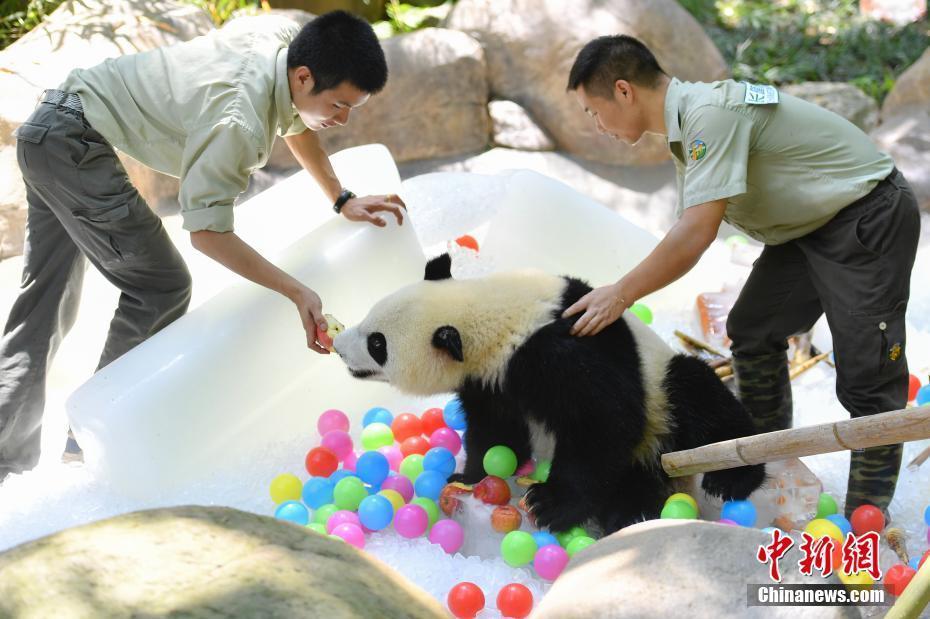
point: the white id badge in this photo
(760, 94)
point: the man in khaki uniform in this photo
(839, 222)
(206, 111)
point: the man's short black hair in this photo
(607, 59)
(338, 47)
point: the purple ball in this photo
(448, 534)
(550, 561)
(732, 523)
(343, 516)
(411, 521)
(448, 438)
(351, 533)
(401, 484)
(332, 419)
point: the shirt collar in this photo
(672, 102)
(282, 92)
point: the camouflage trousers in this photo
(856, 268)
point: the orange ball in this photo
(406, 425)
(913, 387)
(414, 445)
(321, 462)
(465, 600)
(867, 518)
(515, 600)
(467, 240)
(432, 420)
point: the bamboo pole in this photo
(806, 365)
(693, 341)
(914, 464)
(911, 424)
(915, 597)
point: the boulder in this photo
(513, 127)
(201, 562)
(530, 46)
(906, 137)
(912, 88)
(841, 98)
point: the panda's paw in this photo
(737, 483)
(465, 478)
(554, 508)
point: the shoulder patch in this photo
(696, 150)
(760, 94)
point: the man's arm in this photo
(675, 255)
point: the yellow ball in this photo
(286, 487)
(394, 497)
(859, 578)
(821, 527)
(687, 498)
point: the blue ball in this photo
(373, 489)
(372, 467)
(377, 415)
(914, 563)
(293, 511)
(429, 484)
(927, 516)
(544, 538)
(454, 415)
(318, 491)
(375, 512)
(840, 521)
(339, 475)
(923, 395)
(741, 512)
(439, 459)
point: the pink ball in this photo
(526, 468)
(448, 438)
(448, 534)
(343, 516)
(332, 420)
(732, 523)
(339, 442)
(351, 533)
(411, 521)
(350, 461)
(394, 456)
(549, 561)
(401, 484)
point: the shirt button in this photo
(882, 325)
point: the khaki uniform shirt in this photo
(205, 111)
(785, 166)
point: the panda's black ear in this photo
(438, 268)
(447, 338)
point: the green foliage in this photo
(403, 17)
(17, 17)
(785, 41)
(221, 10)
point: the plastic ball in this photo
(448, 438)
(821, 527)
(406, 425)
(826, 505)
(432, 420)
(375, 512)
(377, 414)
(683, 496)
(465, 600)
(579, 543)
(678, 510)
(293, 511)
(415, 445)
(393, 455)
(500, 461)
(349, 493)
(927, 516)
(376, 435)
(542, 470)
(429, 484)
(526, 468)
(565, 537)
(898, 577)
(467, 241)
(740, 512)
(544, 538)
(411, 521)
(340, 475)
(341, 517)
(923, 395)
(867, 518)
(454, 415)
(518, 548)
(317, 528)
(400, 484)
(515, 600)
(397, 501)
(914, 563)
(318, 491)
(412, 467)
(550, 561)
(432, 509)
(843, 524)
(330, 420)
(642, 312)
(728, 522)
(322, 514)
(285, 487)
(913, 386)
(321, 462)
(372, 467)
(350, 461)
(439, 459)
(339, 442)
(448, 534)
(736, 239)
(351, 533)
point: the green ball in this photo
(323, 512)
(679, 510)
(565, 537)
(500, 461)
(826, 506)
(376, 435)
(736, 239)
(341, 539)
(541, 472)
(432, 510)
(316, 527)
(348, 493)
(411, 467)
(642, 312)
(579, 543)
(518, 548)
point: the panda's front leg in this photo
(565, 499)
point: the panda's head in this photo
(429, 337)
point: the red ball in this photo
(406, 425)
(867, 518)
(515, 600)
(913, 386)
(432, 420)
(898, 577)
(321, 462)
(465, 600)
(415, 445)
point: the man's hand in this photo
(602, 306)
(311, 315)
(364, 209)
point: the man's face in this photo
(327, 108)
(618, 117)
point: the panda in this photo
(607, 405)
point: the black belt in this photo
(68, 100)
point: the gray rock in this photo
(512, 127)
(530, 46)
(201, 562)
(839, 97)
(906, 137)
(912, 88)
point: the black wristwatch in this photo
(344, 197)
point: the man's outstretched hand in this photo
(364, 209)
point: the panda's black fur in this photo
(588, 392)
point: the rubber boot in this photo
(764, 389)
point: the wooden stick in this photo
(889, 428)
(698, 343)
(803, 367)
(920, 459)
(718, 363)
(724, 370)
(915, 598)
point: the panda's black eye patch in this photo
(377, 348)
